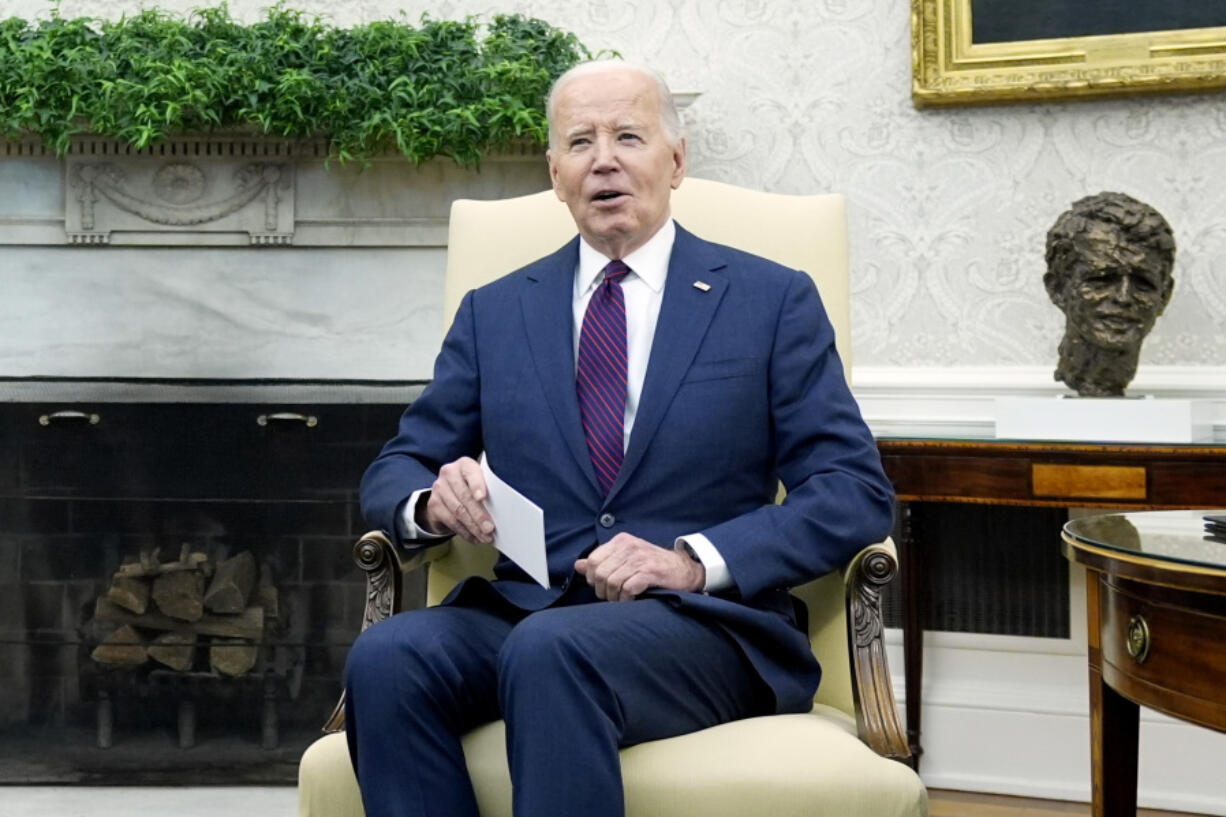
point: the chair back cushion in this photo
(488, 239)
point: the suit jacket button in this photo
(607, 520)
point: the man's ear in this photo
(553, 174)
(1055, 291)
(678, 163)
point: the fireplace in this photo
(100, 497)
(210, 382)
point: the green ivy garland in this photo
(443, 88)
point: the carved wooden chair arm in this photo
(385, 565)
(877, 717)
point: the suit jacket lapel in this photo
(685, 315)
(547, 300)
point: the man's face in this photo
(1113, 292)
(611, 161)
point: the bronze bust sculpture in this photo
(1109, 262)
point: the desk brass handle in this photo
(308, 420)
(1137, 638)
(68, 417)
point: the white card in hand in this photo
(519, 526)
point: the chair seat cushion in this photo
(778, 765)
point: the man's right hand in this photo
(455, 503)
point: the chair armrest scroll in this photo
(877, 718)
(385, 565)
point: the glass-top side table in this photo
(1156, 631)
(1170, 536)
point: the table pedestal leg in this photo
(1114, 727)
(1114, 724)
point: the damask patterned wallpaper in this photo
(949, 208)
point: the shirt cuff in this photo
(718, 577)
(409, 529)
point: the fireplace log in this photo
(180, 594)
(231, 587)
(129, 593)
(247, 624)
(123, 647)
(150, 566)
(175, 650)
(232, 656)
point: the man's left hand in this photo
(626, 565)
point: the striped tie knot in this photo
(615, 271)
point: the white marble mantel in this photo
(228, 258)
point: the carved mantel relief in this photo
(241, 190)
(232, 198)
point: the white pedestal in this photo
(1104, 419)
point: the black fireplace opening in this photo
(177, 587)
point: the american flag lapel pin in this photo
(702, 286)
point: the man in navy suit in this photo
(669, 560)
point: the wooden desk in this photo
(1037, 474)
(1156, 607)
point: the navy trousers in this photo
(573, 683)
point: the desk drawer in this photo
(1177, 660)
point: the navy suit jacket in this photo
(743, 389)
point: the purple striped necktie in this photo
(601, 375)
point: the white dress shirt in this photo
(643, 289)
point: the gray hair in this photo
(670, 121)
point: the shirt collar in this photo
(649, 262)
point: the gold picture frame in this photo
(947, 68)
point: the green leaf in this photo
(441, 88)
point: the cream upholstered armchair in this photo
(837, 760)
